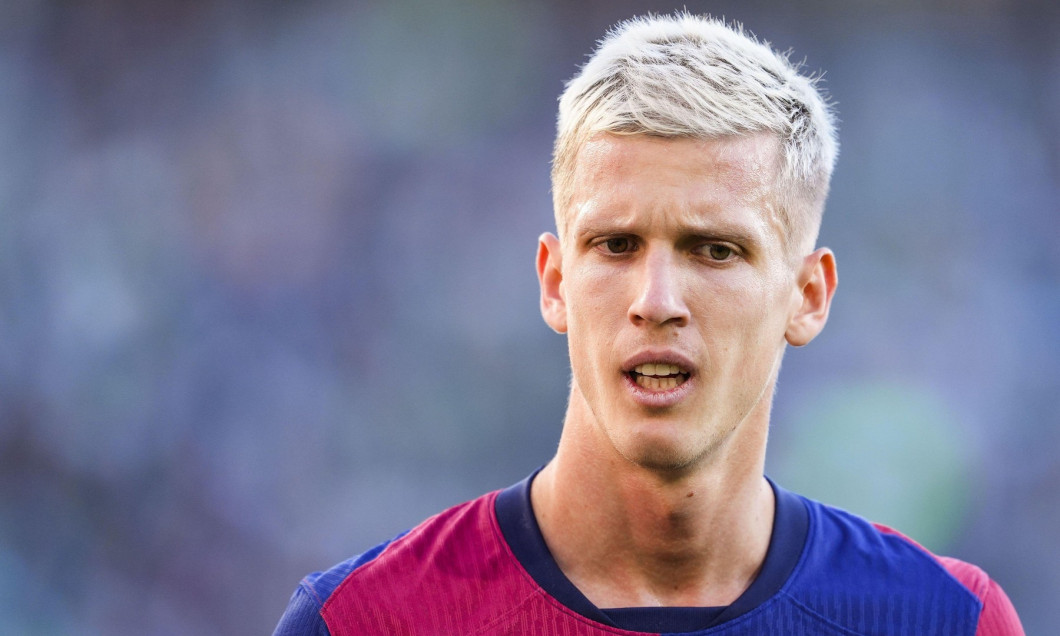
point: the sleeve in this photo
(998, 617)
(302, 617)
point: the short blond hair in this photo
(695, 76)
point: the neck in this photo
(632, 536)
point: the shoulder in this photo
(303, 616)
(998, 616)
(448, 561)
(880, 571)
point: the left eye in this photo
(719, 252)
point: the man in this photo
(690, 172)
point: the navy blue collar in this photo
(515, 515)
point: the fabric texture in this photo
(482, 568)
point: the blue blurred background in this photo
(267, 295)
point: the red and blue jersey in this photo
(482, 567)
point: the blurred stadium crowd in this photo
(267, 296)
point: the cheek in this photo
(594, 300)
(594, 319)
(742, 315)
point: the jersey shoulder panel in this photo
(871, 581)
(998, 616)
(303, 614)
(450, 574)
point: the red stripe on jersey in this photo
(453, 574)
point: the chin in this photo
(669, 449)
(660, 463)
(663, 454)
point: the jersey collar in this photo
(515, 515)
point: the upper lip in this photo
(656, 356)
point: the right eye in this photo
(618, 245)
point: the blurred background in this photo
(267, 293)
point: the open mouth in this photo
(658, 376)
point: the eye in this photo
(618, 245)
(719, 252)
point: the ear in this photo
(550, 275)
(815, 284)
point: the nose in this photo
(659, 296)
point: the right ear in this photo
(550, 275)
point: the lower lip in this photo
(658, 399)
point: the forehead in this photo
(690, 179)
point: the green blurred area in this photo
(891, 453)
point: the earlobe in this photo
(816, 284)
(550, 276)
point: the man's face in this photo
(676, 292)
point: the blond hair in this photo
(693, 76)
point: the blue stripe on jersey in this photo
(658, 620)
(875, 582)
(302, 616)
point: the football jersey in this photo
(483, 567)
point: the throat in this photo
(646, 543)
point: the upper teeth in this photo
(657, 369)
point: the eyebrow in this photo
(722, 231)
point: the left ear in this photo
(815, 284)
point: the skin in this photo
(672, 251)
